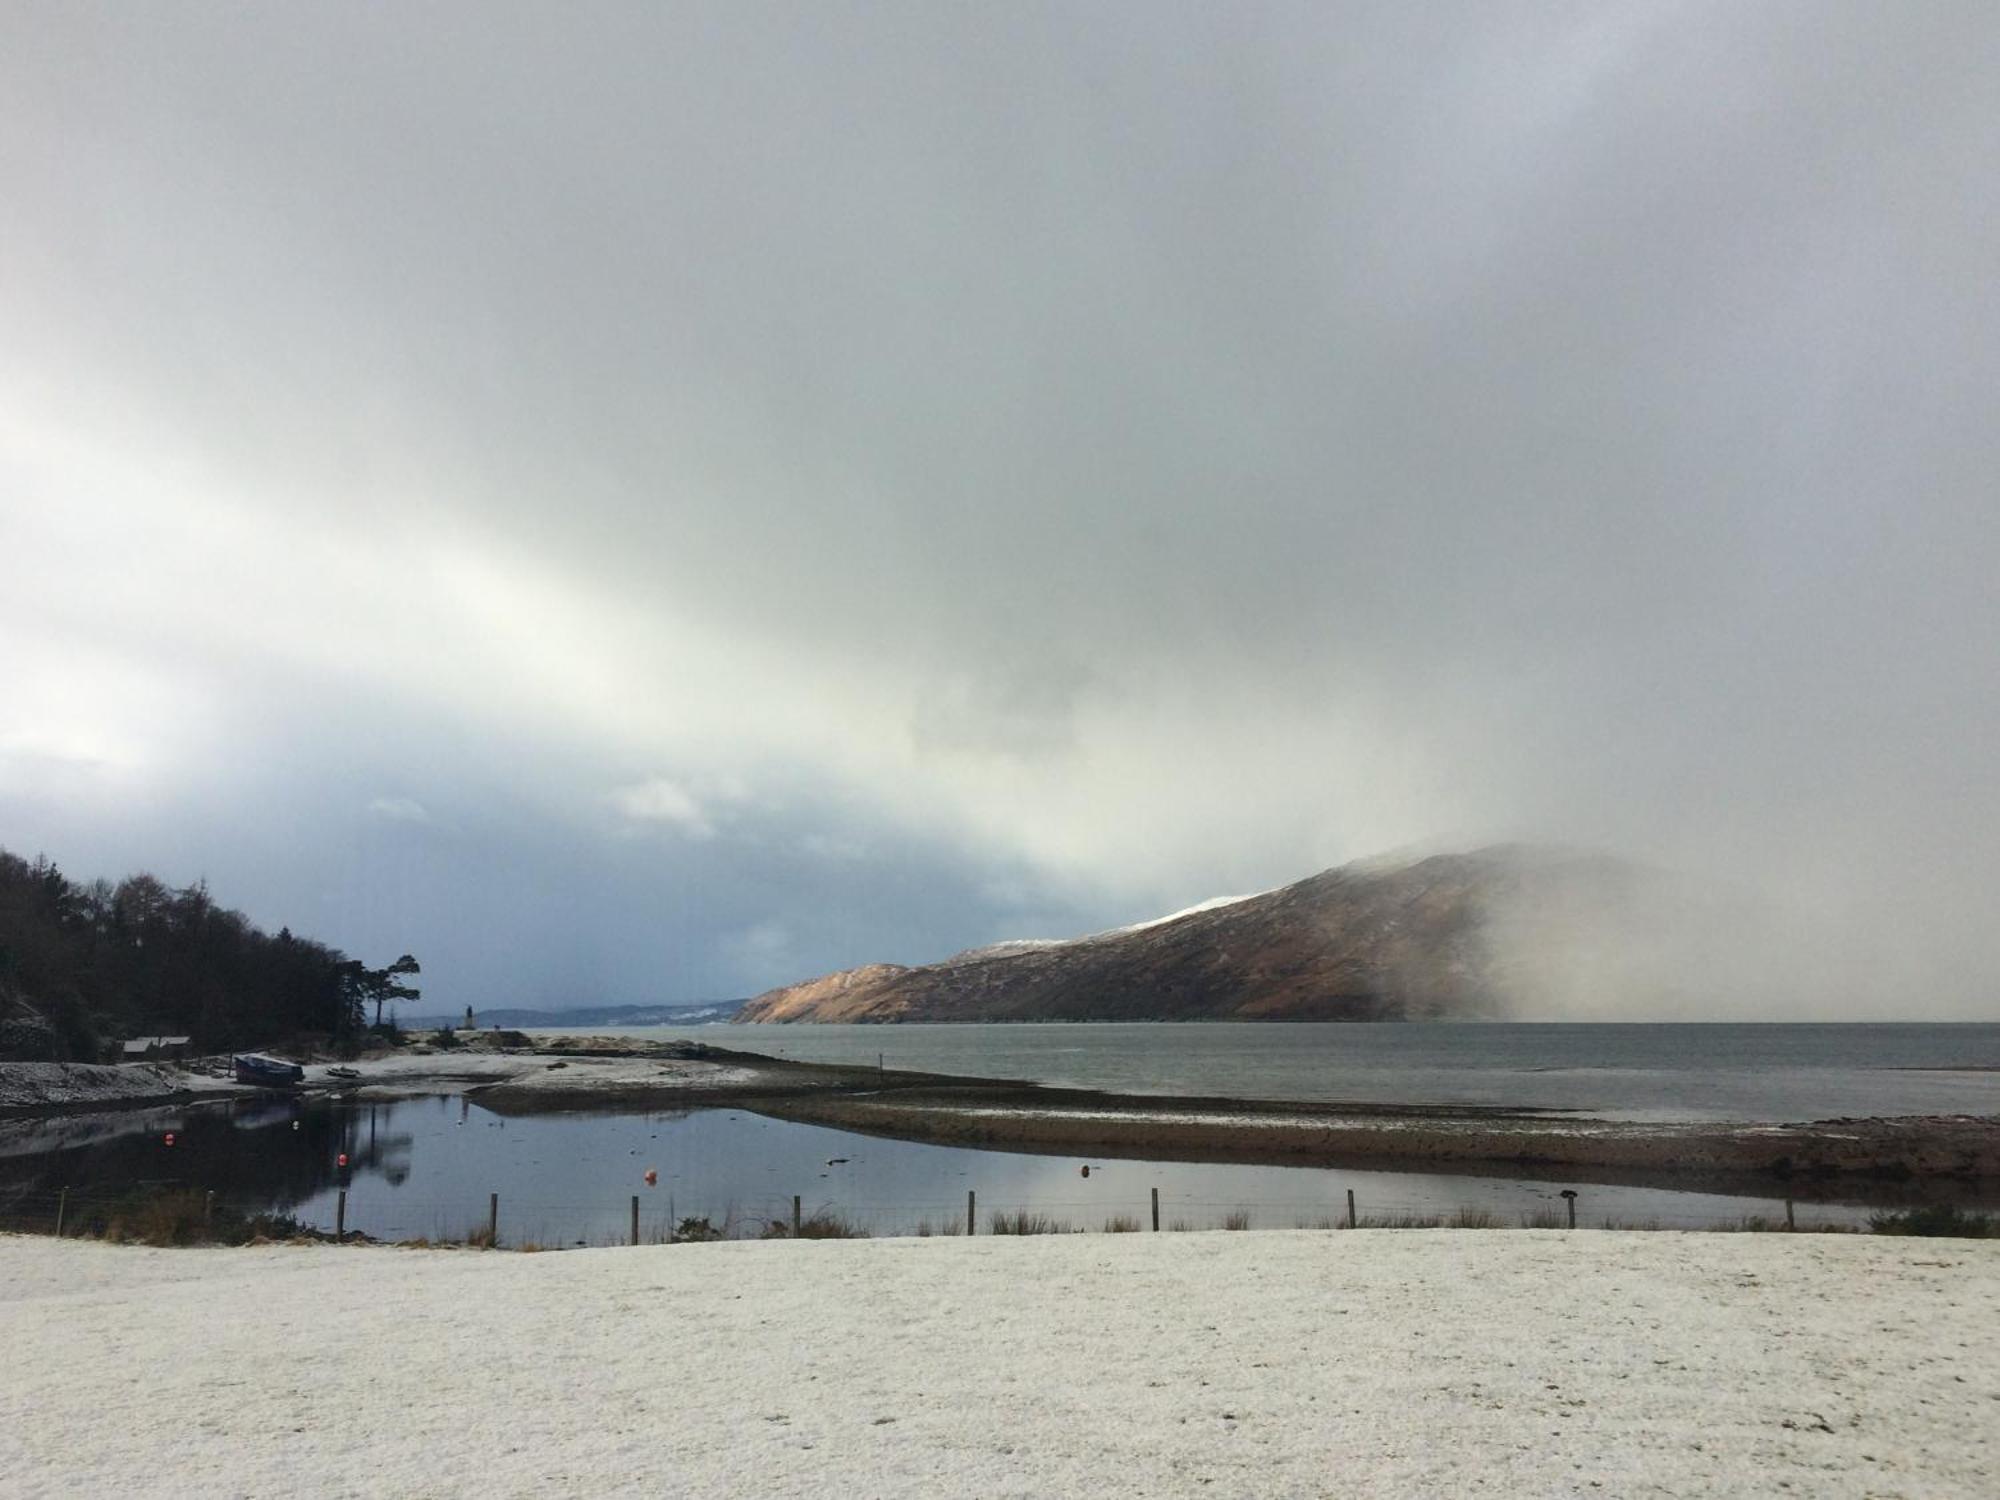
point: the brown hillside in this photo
(1359, 943)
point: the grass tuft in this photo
(1026, 1221)
(824, 1224)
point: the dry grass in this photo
(178, 1216)
(1236, 1218)
(1026, 1221)
(1121, 1224)
(824, 1224)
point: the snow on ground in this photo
(584, 1075)
(1421, 1363)
(77, 1085)
(43, 1085)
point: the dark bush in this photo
(29, 1038)
(1943, 1220)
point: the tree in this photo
(362, 986)
(388, 986)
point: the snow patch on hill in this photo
(1021, 947)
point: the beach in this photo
(1265, 1363)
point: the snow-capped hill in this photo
(1407, 941)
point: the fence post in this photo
(207, 1212)
(795, 1216)
(62, 1209)
(1791, 1224)
(340, 1217)
(492, 1220)
(1569, 1197)
(971, 1213)
(635, 1218)
(1156, 1210)
(1352, 1221)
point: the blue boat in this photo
(268, 1072)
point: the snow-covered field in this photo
(1431, 1363)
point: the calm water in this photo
(1633, 1072)
(424, 1168)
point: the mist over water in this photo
(1607, 940)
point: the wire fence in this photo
(172, 1211)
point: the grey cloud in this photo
(1154, 450)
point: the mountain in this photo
(1366, 942)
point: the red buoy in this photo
(342, 1161)
(652, 1178)
(170, 1137)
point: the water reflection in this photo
(262, 1154)
(426, 1167)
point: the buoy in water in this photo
(341, 1160)
(652, 1178)
(1085, 1172)
(170, 1137)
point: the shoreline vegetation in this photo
(511, 1073)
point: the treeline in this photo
(83, 967)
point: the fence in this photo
(179, 1212)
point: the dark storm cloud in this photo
(1135, 453)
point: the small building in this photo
(156, 1048)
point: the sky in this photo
(646, 503)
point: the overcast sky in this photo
(648, 502)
